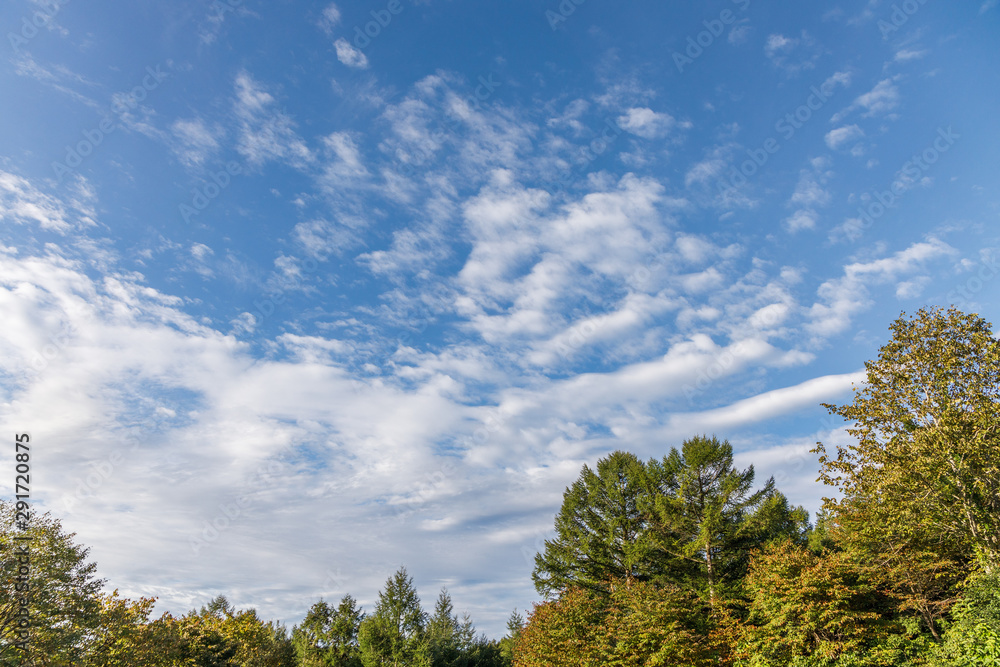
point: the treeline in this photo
(70, 621)
(680, 561)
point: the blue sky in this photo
(296, 293)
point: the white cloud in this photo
(769, 405)
(195, 141)
(778, 44)
(345, 168)
(265, 133)
(792, 54)
(646, 123)
(350, 56)
(880, 100)
(810, 194)
(705, 171)
(838, 137)
(905, 55)
(842, 298)
(801, 219)
(330, 18)
(739, 34)
(21, 202)
(911, 289)
(570, 117)
(809, 190)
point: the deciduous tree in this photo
(64, 602)
(926, 461)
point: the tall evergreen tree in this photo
(443, 632)
(707, 513)
(601, 530)
(328, 637)
(394, 633)
(515, 624)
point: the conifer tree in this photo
(601, 530)
(394, 633)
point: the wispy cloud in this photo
(880, 100)
(792, 54)
(350, 56)
(810, 194)
(646, 123)
(330, 18)
(265, 132)
(195, 141)
(840, 136)
(842, 298)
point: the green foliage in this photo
(515, 625)
(926, 466)
(690, 519)
(601, 531)
(123, 636)
(707, 514)
(394, 633)
(444, 634)
(65, 603)
(820, 538)
(974, 636)
(921, 486)
(328, 637)
(814, 609)
(636, 624)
